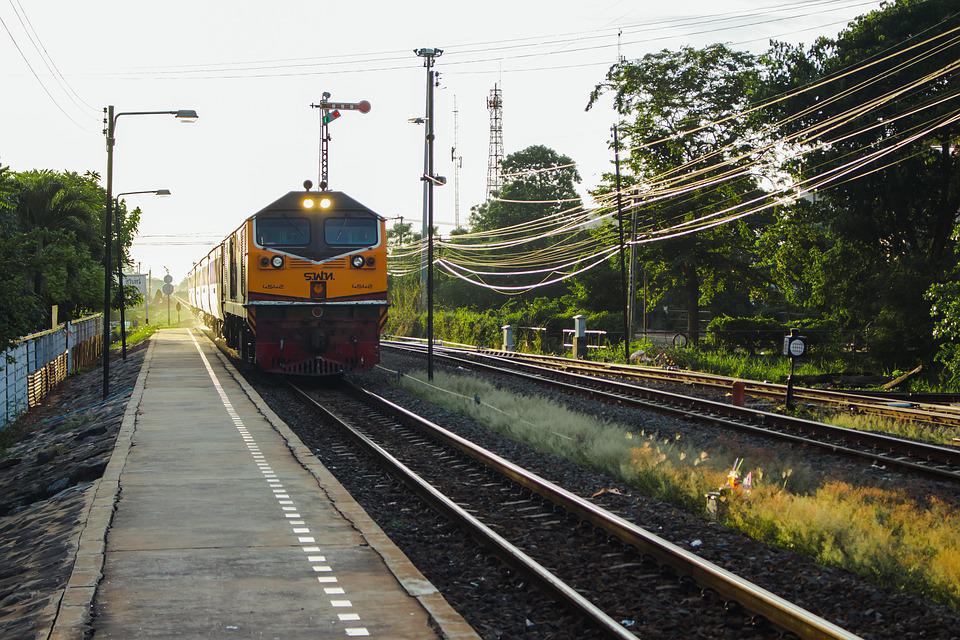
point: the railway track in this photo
(520, 516)
(879, 449)
(916, 408)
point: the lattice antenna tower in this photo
(495, 157)
(457, 160)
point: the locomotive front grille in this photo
(315, 367)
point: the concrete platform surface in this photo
(221, 532)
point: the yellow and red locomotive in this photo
(300, 287)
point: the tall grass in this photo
(883, 534)
(771, 367)
(922, 431)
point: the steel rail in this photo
(864, 402)
(500, 546)
(940, 414)
(780, 612)
(881, 448)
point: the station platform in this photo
(226, 526)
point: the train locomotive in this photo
(300, 287)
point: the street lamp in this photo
(123, 306)
(429, 56)
(110, 120)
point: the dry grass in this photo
(925, 432)
(879, 533)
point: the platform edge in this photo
(450, 624)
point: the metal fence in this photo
(41, 361)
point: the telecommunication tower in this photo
(457, 160)
(495, 157)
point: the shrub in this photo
(751, 333)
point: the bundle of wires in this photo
(543, 251)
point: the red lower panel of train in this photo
(317, 340)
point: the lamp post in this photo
(429, 55)
(110, 120)
(123, 306)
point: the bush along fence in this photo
(41, 361)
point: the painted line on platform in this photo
(286, 504)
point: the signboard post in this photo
(794, 346)
(168, 291)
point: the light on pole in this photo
(110, 120)
(123, 306)
(429, 55)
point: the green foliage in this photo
(658, 96)
(772, 367)
(864, 251)
(51, 246)
(528, 187)
(751, 333)
(945, 307)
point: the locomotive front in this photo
(316, 285)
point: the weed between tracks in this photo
(879, 533)
(922, 431)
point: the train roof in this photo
(340, 201)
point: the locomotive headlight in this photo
(308, 203)
(357, 261)
(277, 262)
(325, 203)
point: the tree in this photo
(864, 251)
(401, 233)
(52, 248)
(533, 190)
(16, 307)
(537, 193)
(658, 97)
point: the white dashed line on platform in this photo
(286, 505)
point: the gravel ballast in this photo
(837, 595)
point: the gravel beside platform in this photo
(46, 477)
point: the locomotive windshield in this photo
(350, 232)
(285, 231)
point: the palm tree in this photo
(60, 208)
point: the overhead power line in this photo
(39, 81)
(462, 48)
(356, 66)
(45, 57)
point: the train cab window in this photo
(351, 232)
(284, 231)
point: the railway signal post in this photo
(794, 346)
(330, 111)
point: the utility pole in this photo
(146, 298)
(644, 303)
(123, 301)
(107, 236)
(429, 55)
(632, 286)
(623, 269)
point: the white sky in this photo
(257, 138)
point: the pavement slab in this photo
(220, 531)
